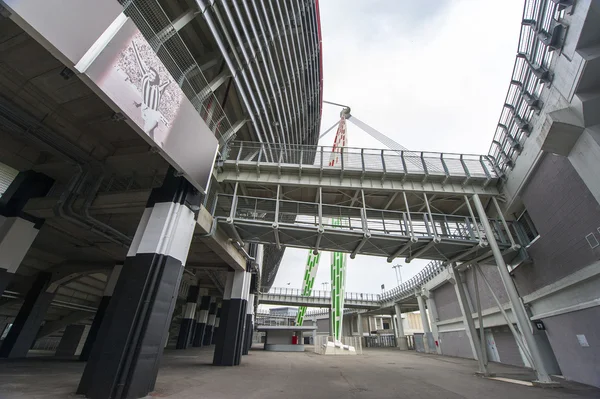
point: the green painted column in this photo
(312, 265)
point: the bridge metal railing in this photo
(355, 219)
(541, 33)
(295, 292)
(445, 165)
(409, 287)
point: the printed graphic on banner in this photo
(135, 79)
(146, 91)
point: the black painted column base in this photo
(248, 335)
(93, 334)
(199, 335)
(26, 325)
(227, 339)
(208, 335)
(241, 338)
(184, 333)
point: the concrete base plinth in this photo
(541, 384)
(483, 374)
(403, 343)
(338, 348)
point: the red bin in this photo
(294, 340)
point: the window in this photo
(528, 227)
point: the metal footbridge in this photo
(374, 202)
(405, 294)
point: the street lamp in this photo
(398, 273)
(325, 284)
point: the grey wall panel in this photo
(323, 325)
(493, 276)
(564, 211)
(578, 363)
(455, 343)
(507, 346)
(446, 302)
(347, 325)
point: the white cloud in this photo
(431, 75)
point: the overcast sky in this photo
(430, 74)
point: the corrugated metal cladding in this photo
(7, 175)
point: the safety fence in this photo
(295, 292)
(365, 159)
(380, 341)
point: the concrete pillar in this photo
(369, 324)
(16, 236)
(73, 340)
(201, 318)
(249, 324)
(18, 229)
(92, 336)
(427, 336)
(216, 329)
(26, 325)
(138, 316)
(433, 315)
(359, 323)
(211, 319)
(243, 297)
(423, 312)
(227, 344)
(469, 323)
(189, 318)
(402, 341)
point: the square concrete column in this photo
(210, 322)
(434, 318)
(16, 236)
(402, 341)
(138, 316)
(201, 318)
(228, 345)
(26, 325)
(92, 336)
(189, 318)
(216, 329)
(73, 339)
(249, 324)
(428, 336)
(17, 228)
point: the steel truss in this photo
(375, 232)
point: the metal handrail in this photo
(365, 159)
(320, 294)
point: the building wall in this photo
(493, 277)
(564, 211)
(455, 343)
(577, 363)
(446, 302)
(323, 326)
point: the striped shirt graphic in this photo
(151, 92)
